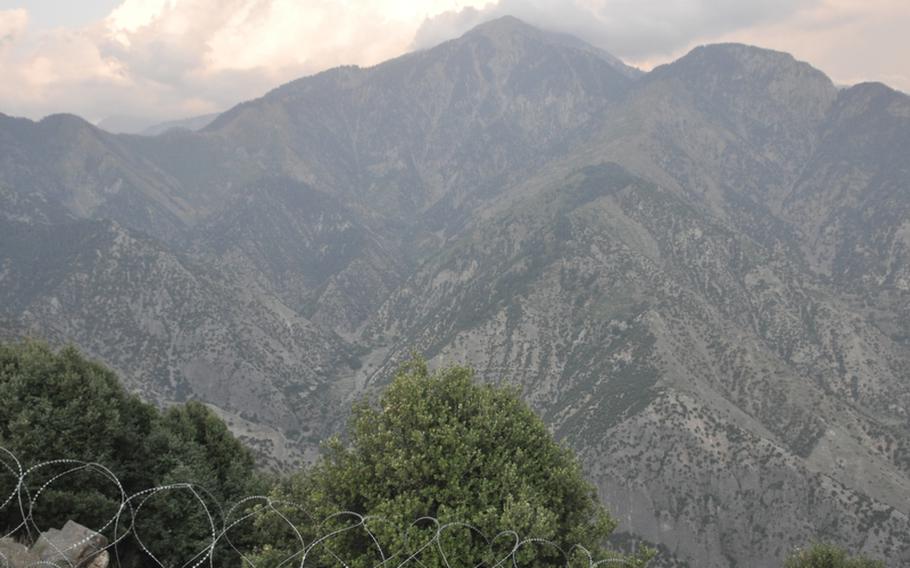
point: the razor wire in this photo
(122, 525)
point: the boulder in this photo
(73, 546)
(14, 555)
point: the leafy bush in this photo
(440, 446)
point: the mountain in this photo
(698, 276)
(191, 123)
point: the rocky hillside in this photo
(698, 276)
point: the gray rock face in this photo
(698, 276)
(15, 555)
(73, 546)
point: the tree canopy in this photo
(441, 446)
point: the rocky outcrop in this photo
(73, 546)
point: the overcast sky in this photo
(166, 59)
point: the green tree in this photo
(822, 555)
(56, 406)
(441, 446)
(61, 406)
(195, 447)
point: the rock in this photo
(14, 555)
(72, 546)
(100, 560)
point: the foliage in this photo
(441, 446)
(821, 555)
(63, 406)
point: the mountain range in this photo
(699, 276)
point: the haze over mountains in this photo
(145, 127)
(699, 276)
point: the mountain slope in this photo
(623, 300)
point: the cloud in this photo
(164, 59)
(13, 24)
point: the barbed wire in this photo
(122, 525)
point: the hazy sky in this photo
(164, 59)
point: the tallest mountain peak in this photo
(509, 30)
(505, 25)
